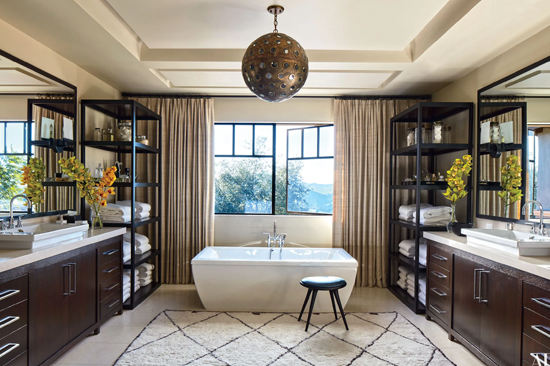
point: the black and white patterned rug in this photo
(277, 339)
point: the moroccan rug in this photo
(278, 339)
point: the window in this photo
(532, 163)
(13, 156)
(254, 176)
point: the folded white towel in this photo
(143, 275)
(422, 284)
(423, 250)
(143, 215)
(405, 253)
(404, 269)
(115, 218)
(407, 210)
(405, 217)
(140, 239)
(125, 280)
(422, 298)
(139, 206)
(112, 209)
(402, 284)
(126, 258)
(422, 261)
(143, 249)
(433, 212)
(410, 276)
(410, 244)
(126, 286)
(145, 282)
(146, 266)
(128, 272)
(403, 275)
(126, 248)
(435, 222)
(125, 296)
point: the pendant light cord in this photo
(275, 23)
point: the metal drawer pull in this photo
(8, 320)
(475, 283)
(438, 275)
(10, 346)
(110, 270)
(110, 252)
(440, 257)
(438, 292)
(113, 303)
(437, 310)
(545, 331)
(73, 291)
(111, 287)
(481, 285)
(4, 295)
(542, 301)
(69, 292)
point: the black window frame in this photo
(25, 138)
(317, 157)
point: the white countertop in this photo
(10, 259)
(539, 266)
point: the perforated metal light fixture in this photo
(275, 66)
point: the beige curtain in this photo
(361, 184)
(489, 202)
(55, 198)
(187, 181)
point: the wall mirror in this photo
(514, 123)
(37, 119)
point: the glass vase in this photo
(453, 218)
(97, 222)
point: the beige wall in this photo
(466, 88)
(13, 108)
(538, 110)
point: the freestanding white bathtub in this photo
(245, 279)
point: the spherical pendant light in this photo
(275, 66)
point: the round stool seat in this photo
(326, 283)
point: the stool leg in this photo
(333, 306)
(305, 303)
(311, 308)
(341, 309)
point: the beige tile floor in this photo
(118, 333)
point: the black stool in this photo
(323, 283)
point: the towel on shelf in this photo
(404, 270)
(125, 280)
(405, 217)
(126, 258)
(140, 239)
(408, 210)
(435, 222)
(145, 282)
(409, 245)
(422, 298)
(127, 286)
(126, 248)
(410, 276)
(143, 249)
(139, 206)
(115, 218)
(112, 209)
(403, 275)
(405, 253)
(142, 275)
(433, 212)
(143, 215)
(146, 266)
(402, 284)
(125, 296)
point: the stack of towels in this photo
(143, 210)
(145, 274)
(142, 245)
(434, 216)
(406, 282)
(407, 248)
(127, 284)
(406, 212)
(115, 213)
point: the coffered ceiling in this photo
(354, 47)
(16, 78)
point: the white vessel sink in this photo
(31, 236)
(515, 242)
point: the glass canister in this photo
(495, 133)
(427, 133)
(142, 139)
(418, 135)
(437, 132)
(411, 137)
(447, 135)
(108, 135)
(124, 132)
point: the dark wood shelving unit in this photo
(420, 113)
(129, 110)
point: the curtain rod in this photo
(484, 97)
(370, 97)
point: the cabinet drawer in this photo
(439, 275)
(109, 269)
(13, 292)
(440, 293)
(440, 257)
(13, 318)
(109, 287)
(110, 304)
(439, 310)
(536, 327)
(20, 360)
(532, 346)
(536, 299)
(109, 252)
(13, 345)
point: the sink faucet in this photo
(11, 222)
(272, 240)
(541, 224)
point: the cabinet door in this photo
(83, 298)
(466, 309)
(500, 317)
(48, 307)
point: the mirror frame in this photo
(57, 80)
(524, 139)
